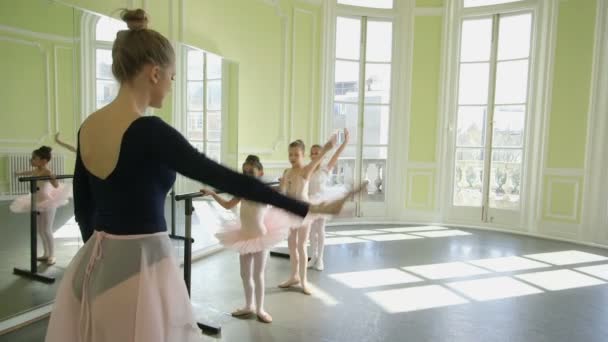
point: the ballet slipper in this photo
(335, 207)
(289, 283)
(306, 290)
(242, 312)
(42, 258)
(319, 265)
(312, 262)
(264, 317)
(51, 261)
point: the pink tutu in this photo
(47, 197)
(328, 193)
(260, 227)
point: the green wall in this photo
(571, 85)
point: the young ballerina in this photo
(294, 183)
(318, 191)
(64, 144)
(251, 237)
(50, 195)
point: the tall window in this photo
(492, 105)
(204, 101)
(106, 87)
(362, 89)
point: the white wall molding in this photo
(428, 205)
(595, 198)
(56, 48)
(573, 216)
(539, 124)
(313, 54)
(565, 172)
(37, 35)
(47, 65)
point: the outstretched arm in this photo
(310, 168)
(170, 146)
(226, 204)
(63, 144)
(334, 159)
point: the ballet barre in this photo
(32, 273)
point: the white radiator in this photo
(21, 162)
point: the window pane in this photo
(214, 66)
(476, 3)
(509, 124)
(368, 3)
(376, 125)
(511, 82)
(103, 64)
(377, 83)
(347, 81)
(346, 116)
(468, 177)
(471, 126)
(107, 28)
(195, 95)
(195, 126)
(348, 38)
(505, 179)
(514, 36)
(473, 87)
(105, 91)
(214, 95)
(379, 41)
(214, 151)
(214, 126)
(195, 65)
(374, 171)
(476, 40)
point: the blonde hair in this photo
(138, 46)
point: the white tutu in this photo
(123, 288)
(47, 197)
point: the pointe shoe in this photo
(289, 283)
(335, 207)
(319, 265)
(264, 317)
(51, 261)
(242, 312)
(42, 258)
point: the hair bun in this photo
(252, 158)
(136, 19)
(46, 148)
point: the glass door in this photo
(362, 104)
(491, 118)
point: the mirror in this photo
(55, 72)
(38, 99)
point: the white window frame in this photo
(332, 10)
(88, 50)
(539, 90)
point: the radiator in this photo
(21, 162)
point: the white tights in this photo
(44, 224)
(252, 274)
(298, 255)
(317, 239)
